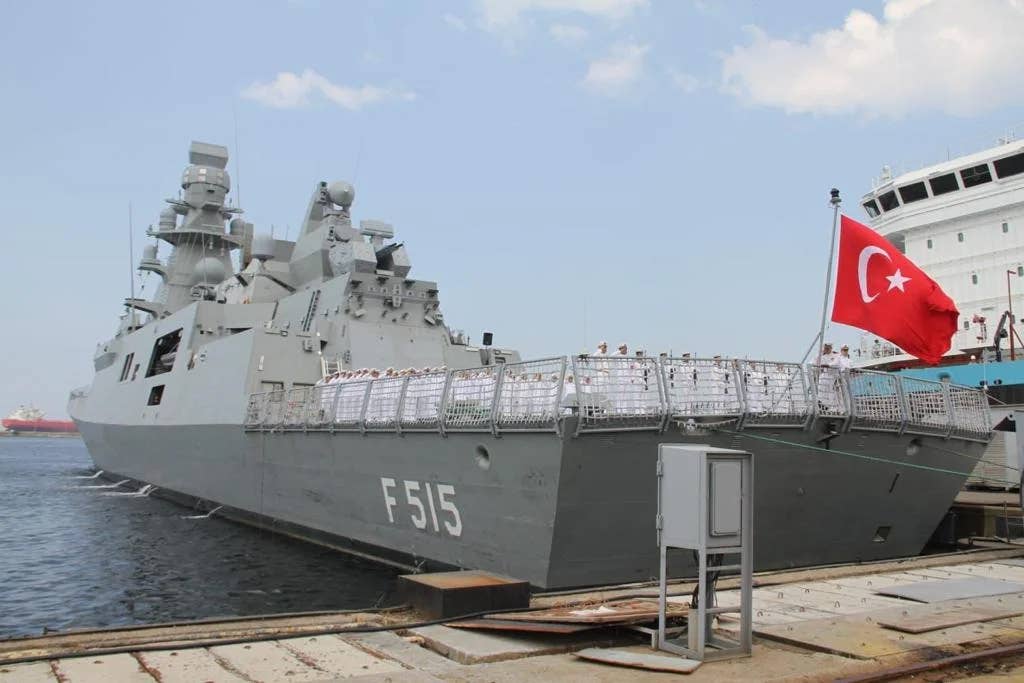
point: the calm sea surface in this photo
(73, 556)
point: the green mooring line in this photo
(861, 456)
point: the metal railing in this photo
(613, 393)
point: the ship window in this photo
(127, 366)
(1009, 166)
(156, 394)
(1020, 271)
(975, 175)
(914, 192)
(967, 324)
(889, 201)
(1006, 228)
(943, 184)
(165, 349)
(872, 208)
(974, 278)
(959, 237)
(929, 244)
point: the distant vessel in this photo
(30, 419)
(224, 387)
(962, 221)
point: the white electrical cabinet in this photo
(705, 503)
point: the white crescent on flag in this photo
(862, 270)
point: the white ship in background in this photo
(962, 221)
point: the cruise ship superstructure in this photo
(224, 390)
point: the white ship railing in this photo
(613, 393)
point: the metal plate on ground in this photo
(521, 626)
(639, 660)
(862, 638)
(624, 612)
(952, 589)
(1013, 561)
(955, 616)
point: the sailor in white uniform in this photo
(828, 398)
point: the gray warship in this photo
(240, 385)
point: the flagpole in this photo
(835, 201)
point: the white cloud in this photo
(567, 34)
(611, 75)
(291, 91)
(956, 56)
(688, 83)
(502, 14)
(457, 23)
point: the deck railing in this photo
(612, 393)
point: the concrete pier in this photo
(853, 622)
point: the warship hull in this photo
(558, 511)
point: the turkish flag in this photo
(880, 290)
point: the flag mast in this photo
(835, 201)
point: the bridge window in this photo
(1009, 166)
(872, 208)
(976, 175)
(127, 366)
(943, 184)
(164, 352)
(914, 192)
(889, 201)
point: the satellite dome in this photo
(341, 193)
(237, 226)
(263, 247)
(209, 271)
(168, 218)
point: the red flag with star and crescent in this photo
(880, 290)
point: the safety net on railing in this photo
(616, 392)
(421, 405)
(877, 400)
(828, 389)
(774, 393)
(529, 395)
(470, 399)
(971, 416)
(702, 387)
(381, 411)
(928, 410)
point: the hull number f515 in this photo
(427, 504)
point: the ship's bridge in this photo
(962, 222)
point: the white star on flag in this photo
(896, 281)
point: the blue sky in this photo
(649, 171)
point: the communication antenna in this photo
(359, 157)
(131, 261)
(238, 175)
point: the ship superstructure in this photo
(315, 388)
(962, 221)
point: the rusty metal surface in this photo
(522, 626)
(954, 616)
(461, 579)
(639, 660)
(623, 612)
